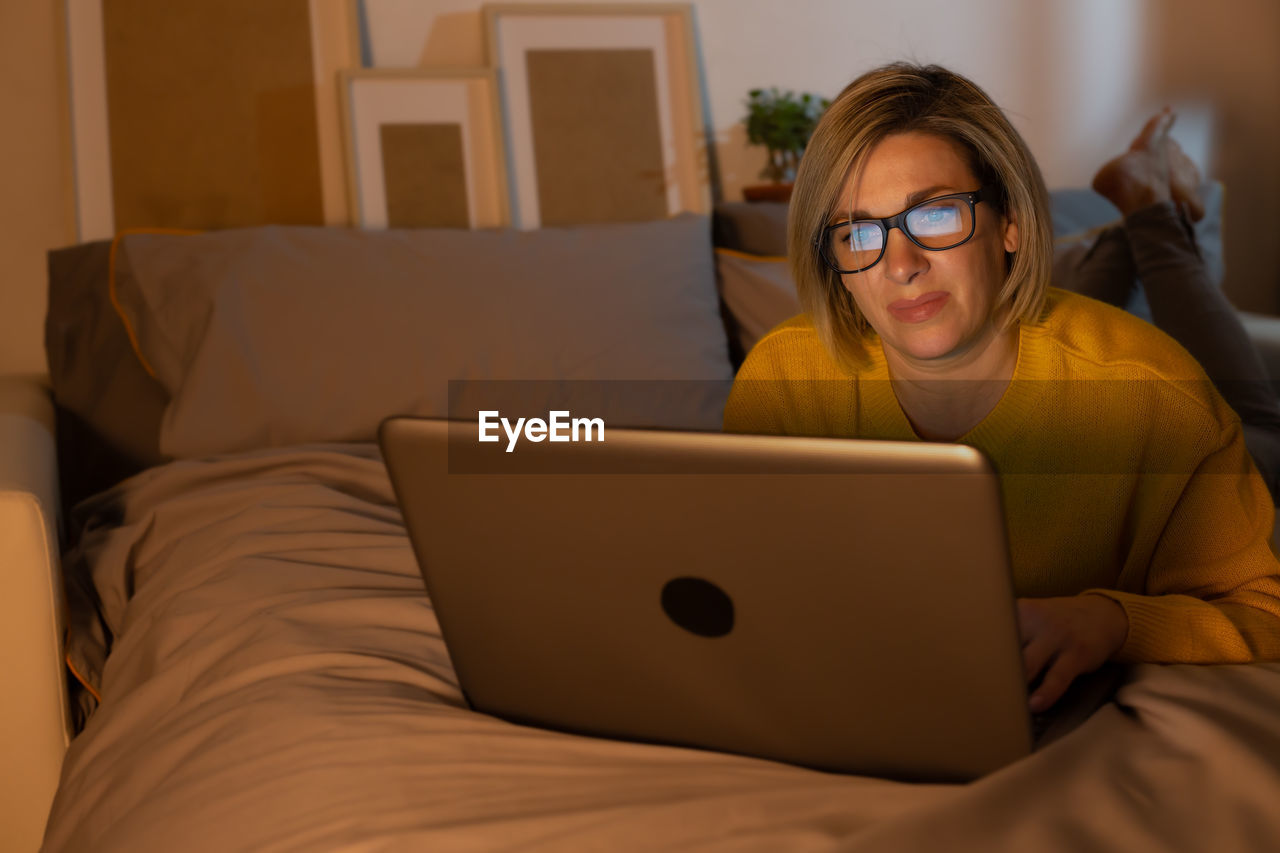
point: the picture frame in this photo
(602, 111)
(424, 148)
(329, 34)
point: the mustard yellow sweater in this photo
(1123, 471)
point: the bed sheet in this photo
(277, 681)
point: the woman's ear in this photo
(1010, 232)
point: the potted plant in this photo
(782, 122)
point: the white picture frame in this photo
(665, 29)
(466, 97)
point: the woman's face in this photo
(932, 309)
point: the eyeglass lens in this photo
(939, 224)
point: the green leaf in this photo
(782, 121)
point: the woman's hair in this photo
(901, 98)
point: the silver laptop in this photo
(842, 605)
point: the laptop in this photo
(837, 604)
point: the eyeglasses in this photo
(935, 224)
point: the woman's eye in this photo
(864, 236)
(935, 219)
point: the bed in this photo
(256, 665)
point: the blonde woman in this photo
(920, 244)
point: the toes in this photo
(1155, 130)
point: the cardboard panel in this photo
(597, 139)
(212, 113)
(424, 173)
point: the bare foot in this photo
(1184, 182)
(1154, 169)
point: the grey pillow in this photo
(758, 293)
(108, 408)
(285, 335)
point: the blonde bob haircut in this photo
(901, 98)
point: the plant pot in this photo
(767, 192)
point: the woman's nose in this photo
(903, 259)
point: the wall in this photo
(37, 205)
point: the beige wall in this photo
(36, 205)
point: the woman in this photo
(920, 244)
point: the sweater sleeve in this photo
(1213, 587)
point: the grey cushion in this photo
(283, 335)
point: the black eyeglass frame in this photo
(888, 223)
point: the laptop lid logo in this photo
(698, 606)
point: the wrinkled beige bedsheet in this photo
(278, 682)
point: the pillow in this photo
(754, 227)
(757, 292)
(285, 335)
(108, 407)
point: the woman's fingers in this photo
(1039, 637)
(1065, 668)
(1064, 637)
(1036, 654)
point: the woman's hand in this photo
(1071, 636)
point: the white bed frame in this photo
(35, 721)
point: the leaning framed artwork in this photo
(424, 149)
(602, 111)
(208, 113)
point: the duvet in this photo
(277, 681)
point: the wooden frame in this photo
(650, 47)
(335, 44)
(466, 99)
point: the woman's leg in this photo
(1185, 304)
(1153, 184)
(1102, 269)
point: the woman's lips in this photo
(919, 309)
